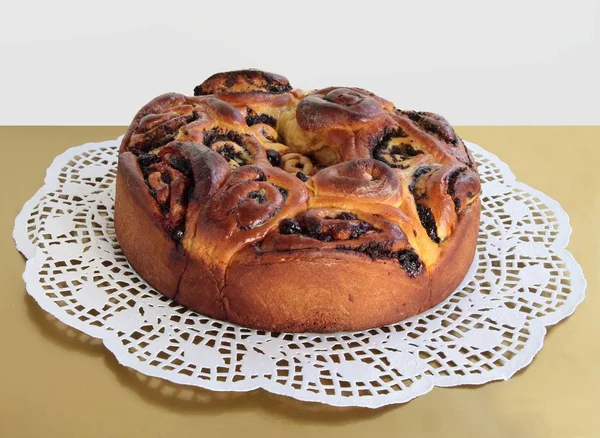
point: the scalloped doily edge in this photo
(110, 341)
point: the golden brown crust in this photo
(336, 107)
(278, 290)
(320, 291)
(366, 180)
(296, 211)
(456, 255)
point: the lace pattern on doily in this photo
(522, 280)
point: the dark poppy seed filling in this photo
(419, 173)
(170, 183)
(452, 187)
(253, 118)
(274, 158)
(428, 222)
(452, 180)
(344, 226)
(148, 138)
(252, 81)
(220, 134)
(161, 135)
(409, 260)
(390, 133)
(146, 160)
(394, 155)
(433, 124)
(375, 250)
(229, 153)
(230, 144)
(181, 164)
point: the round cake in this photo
(295, 211)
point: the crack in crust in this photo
(232, 188)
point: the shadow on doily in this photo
(191, 399)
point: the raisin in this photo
(457, 204)
(283, 192)
(410, 262)
(321, 236)
(301, 176)
(146, 160)
(176, 234)
(259, 195)
(181, 164)
(363, 228)
(290, 226)
(166, 177)
(274, 158)
(346, 216)
(260, 175)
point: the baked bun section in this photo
(243, 81)
(365, 180)
(281, 209)
(338, 108)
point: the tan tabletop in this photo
(56, 382)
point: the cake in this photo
(287, 210)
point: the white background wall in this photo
(476, 62)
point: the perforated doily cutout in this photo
(522, 279)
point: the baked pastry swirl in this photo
(289, 210)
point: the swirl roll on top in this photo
(338, 108)
(251, 202)
(243, 81)
(366, 180)
(440, 194)
(282, 209)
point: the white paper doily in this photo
(522, 280)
